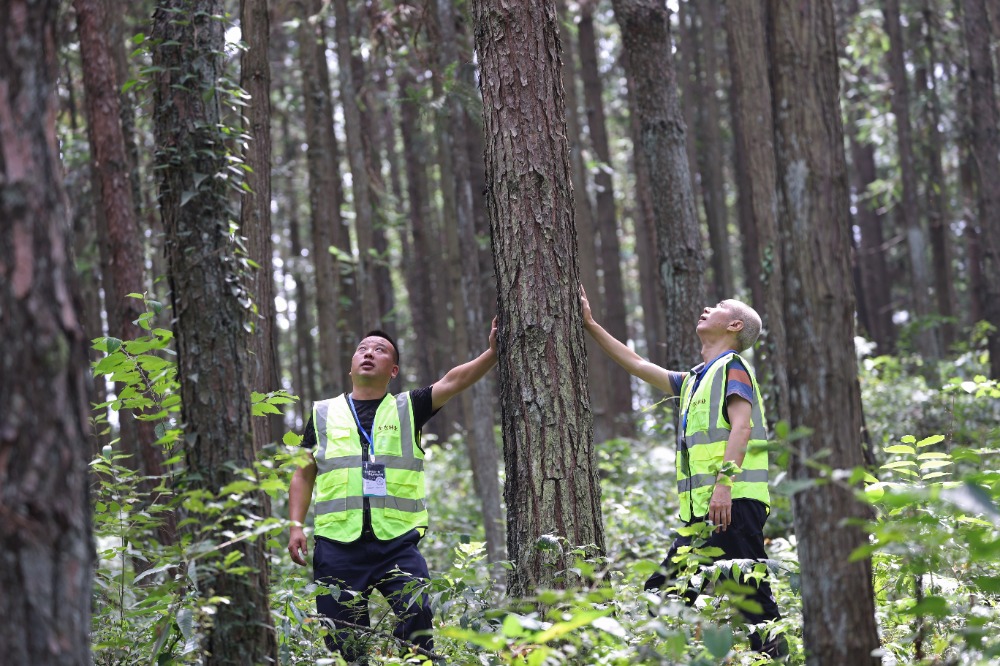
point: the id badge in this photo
(372, 479)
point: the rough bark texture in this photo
(909, 206)
(611, 301)
(986, 148)
(470, 324)
(46, 552)
(747, 43)
(552, 484)
(713, 185)
(586, 234)
(255, 212)
(206, 294)
(837, 596)
(645, 26)
(364, 208)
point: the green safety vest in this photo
(702, 447)
(339, 498)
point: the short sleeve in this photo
(423, 407)
(676, 380)
(738, 381)
(309, 435)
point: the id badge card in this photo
(372, 479)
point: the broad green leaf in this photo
(900, 448)
(928, 441)
(718, 640)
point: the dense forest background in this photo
(222, 197)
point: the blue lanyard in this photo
(700, 375)
(371, 444)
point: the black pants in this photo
(743, 540)
(361, 567)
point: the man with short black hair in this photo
(366, 467)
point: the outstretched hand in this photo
(493, 336)
(588, 316)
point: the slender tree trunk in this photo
(325, 194)
(552, 484)
(986, 149)
(748, 59)
(936, 185)
(750, 245)
(837, 594)
(480, 439)
(46, 552)
(909, 206)
(713, 185)
(255, 210)
(685, 68)
(619, 392)
(364, 208)
(645, 26)
(212, 365)
(586, 234)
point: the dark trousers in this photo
(744, 539)
(358, 568)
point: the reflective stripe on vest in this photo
(702, 448)
(339, 498)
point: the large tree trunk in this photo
(206, 296)
(747, 43)
(364, 207)
(986, 148)
(586, 235)
(619, 393)
(645, 26)
(837, 596)
(255, 211)
(909, 206)
(46, 551)
(471, 324)
(713, 186)
(325, 197)
(552, 482)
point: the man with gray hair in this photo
(721, 449)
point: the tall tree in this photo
(747, 43)
(645, 26)
(255, 211)
(612, 298)
(552, 484)
(986, 148)
(837, 594)
(909, 205)
(325, 194)
(463, 246)
(207, 294)
(46, 554)
(713, 186)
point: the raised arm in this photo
(621, 354)
(463, 376)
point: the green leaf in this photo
(112, 344)
(900, 448)
(908, 439)
(928, 441)
(896, 464)
(291, 439)
(718, 640)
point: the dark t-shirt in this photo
(423, 410)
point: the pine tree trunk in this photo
(986, 148)
(645, 26)
(747, 43)
(46, 549)
(206, 293)
(619, 392)
(837, 594)
(552, 485)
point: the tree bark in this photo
(985, 147)
(645, 26)
(206, 293)
(909, 206)
(552, 483)
(619, 393)
(746, 23)
(255, 210)
(325, 196)
(837, 595)
(46, 549)
(713, 185)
